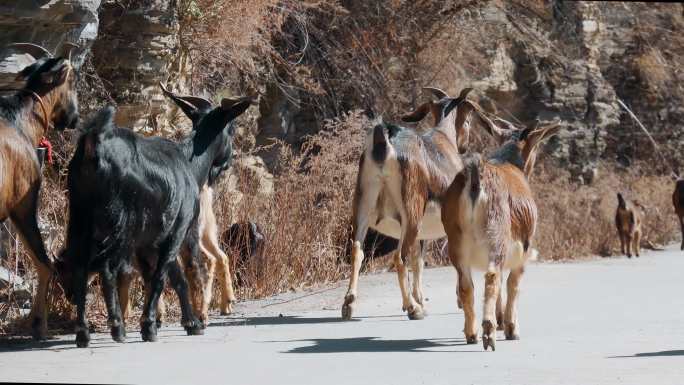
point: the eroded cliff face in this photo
(526, 60)
(138, 47)
(48, 23)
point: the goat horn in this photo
(66, 49)
(32, 49)
(464, 93)
(440, 94)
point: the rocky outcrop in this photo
(138, 46)
(48, 23)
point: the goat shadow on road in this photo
(277, 320)
(663, 353)
(375, 345)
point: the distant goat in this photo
(245, 241)
(135, 196)
(678, 201)
(628, 222)
(490, 216)
(402, 176)
(48, 98)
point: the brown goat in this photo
(489, 215)
(628, 222)
(678, 202)
(47, 99)
(402, 176)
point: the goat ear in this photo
(417, 115)
(235, 108)
(28, 70)
(455, 102)
(189, 109)
(57, 75)
(436, 92)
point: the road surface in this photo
(604, 321)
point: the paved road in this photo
(597, 322)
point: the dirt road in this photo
(607, 321)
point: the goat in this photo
(402, 176)
(628, 222)
(132, 195)
(489, 215)
(678, 202)
(245, 240)
(202, 291)
(48, 98)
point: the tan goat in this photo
(402, 176)
(628, 222)
(490, 216)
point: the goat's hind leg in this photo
(178, 281)
(24, 218)
(418, 264)
(110, 292)
(492, 281)
(80, 284)
(637, 243)
(365, 198)
(406, 247)
(191, 324)
(511, 328)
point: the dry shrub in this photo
(306, 217)
(579, 220)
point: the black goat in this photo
(245, 240)
(136, 196)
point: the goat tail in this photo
(471, 167)
(380, 144)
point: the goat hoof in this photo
(82, 339)
(347, 308)
(228, 308)
(148, 331)
(416, 314)
(471, 340)
(510, 332)
(159, 324)
(488, 342)
(488, 335)
(194, 330)
(118, 333)
(347, 312)
(459, 304)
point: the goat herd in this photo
(145, 203)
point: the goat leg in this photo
(191, 324)
(109, 291)
(80, 290)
